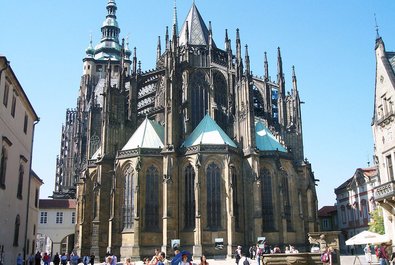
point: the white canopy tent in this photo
(367, 237)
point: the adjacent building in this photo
(354, 202)
(56, 226)
(383, 126)
(17, 181)
(327, 216)
(197, 150)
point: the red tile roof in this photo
(57, 204)
(326, 211)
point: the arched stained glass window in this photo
(128, 206)
(287, 203)
(199, 97)
(152, 199)
(235, 197)
(220, 98)
(267, 200)
(213, 180)
(189, 210)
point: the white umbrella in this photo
(367, 237)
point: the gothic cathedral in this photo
(197, 149)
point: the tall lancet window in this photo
(213, 181)
(16, 230)
(221, 100)
(259, 107)
(189, 210)
(152, 199)
(20, 182)
(128, 205)
(235, 196)
(267, 200)
(287, 204)
(199, 97)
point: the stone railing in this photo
(384, 191)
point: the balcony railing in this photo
(385, 191)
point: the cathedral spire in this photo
(175, 20)
(247, 61)
(266, 65)
(280, 74)
(158, 50)
(294, 82)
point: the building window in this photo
(267, 200)
(59, 217)
(3, 167)
(189, 209)
(99, 68)
(73, 217)
(13, 106)
(43, 217)
(34, 230)
(287, 204)
(343, 214)
(235, 196)
(6, 93)
(199, 88)
(20, 182)
(25, 122)
(213, 196)
(36, 198)
(390, 168)
(16, 230)
(325, 224)
(128, 206)
(152, 199)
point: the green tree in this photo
(376, 223)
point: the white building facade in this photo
(17, 122)
(383, 126)
(354, 202)
(56, 226)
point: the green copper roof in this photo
(149, 134)
(265, 141)
(208, 132)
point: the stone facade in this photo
(354, 202)
(17, 181)
(213, 152)
(383, 133)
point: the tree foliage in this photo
(376, 223)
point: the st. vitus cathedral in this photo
(197, 149)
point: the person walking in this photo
(326, 256)
(19, 259)
(56, 259)
(368, 253)
(37, 258)
(92, 259)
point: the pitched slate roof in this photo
(265, 140)
(208, 132)
(327, 211)
(198, 32)
(149, 134)
(57, 204)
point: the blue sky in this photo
(331, 44)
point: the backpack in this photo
(325, 257)
(245, 262)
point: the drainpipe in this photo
(28, 192)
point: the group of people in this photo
(381, 254)
(46, 259)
